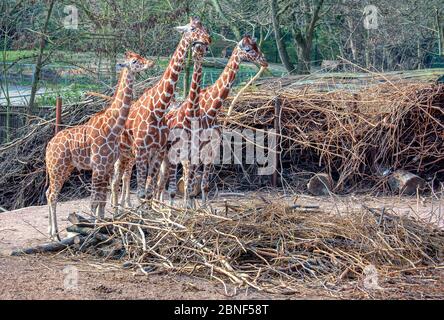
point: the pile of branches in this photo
(22, 162)
(357, 136)
(269, 246)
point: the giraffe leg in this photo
(142, 173)
(164, 179)
(124, 169)
(103, 196)
(161, 182)
(125, 199)
(57, 176)
(192, 181)
(51, 196)
(172, 187)
(117, 176)
(98, 194)
(153, 172)
(205, 184)
(186, 180)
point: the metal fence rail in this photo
(56, 80)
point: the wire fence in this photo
(68, 82)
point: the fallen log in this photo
(114, 250)
(85, 231)
(102, 244)
(320, 184)
(405, 182)
(50, 247)
(80, 221)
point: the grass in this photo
(70, 94)
(71, 87)
(16, 55)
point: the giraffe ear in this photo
(241, 43)
(122, 65)
(129, 54)
(185, 28)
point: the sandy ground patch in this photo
(42, 276)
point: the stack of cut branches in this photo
(355, 136)
(269, 246)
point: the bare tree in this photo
(39, 61)
(280, 44)
(303, 27)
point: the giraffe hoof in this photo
(128, 205)
(116, 210)
(141, 194)
(55, 237)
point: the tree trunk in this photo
(304, 58)
(418, 53)
(113, 61)
(304, 40)
(440, 28)
(282, 50)
(352, 41)
(5, 90)
(39, 64)
(230, 24)
(367, 50)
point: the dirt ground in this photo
(45, 276)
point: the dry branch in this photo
(49, 247)
(271, 246)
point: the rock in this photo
(320, 184)
(405, 182)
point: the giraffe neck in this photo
(117, 113)
(192, 109)
(166, 87)
(218, 92)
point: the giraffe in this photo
(93, 145)
(180, 122)
(146, 132)
(210, 102)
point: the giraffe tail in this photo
(46, 177)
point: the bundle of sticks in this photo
(356, 136)
(270, 246)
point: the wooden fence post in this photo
(277, 128)
(58, 114)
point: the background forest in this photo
(297, 36)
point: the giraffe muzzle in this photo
(198, 43)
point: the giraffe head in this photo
(198, 51)
(135, 62)
(195, 32)
(249, 51)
